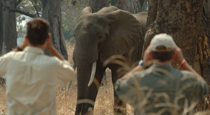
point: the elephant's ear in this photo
(125, 33)
(108, 9)
(87, 10)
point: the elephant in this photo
(98, 36)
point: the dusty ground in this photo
(3, 106)
(66, 101)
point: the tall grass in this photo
(66, 101)
(3, 107)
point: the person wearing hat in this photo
(161, 88)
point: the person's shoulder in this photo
(142, 73)
(55, 60)
(9, 54)
(51, 59)
(188, 74)
(189, 77)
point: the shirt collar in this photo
(33, 50)
(163, 66)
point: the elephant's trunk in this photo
(93, 72)
(85, 57)
(83, 77)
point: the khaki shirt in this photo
(161, 87)
(31, 78)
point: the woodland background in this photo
(62, 15)
(188, 21)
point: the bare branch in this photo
(6, 5)
(22, 12)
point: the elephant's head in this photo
(107, 32)
(100, 35)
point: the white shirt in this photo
(31, 78)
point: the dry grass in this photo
(3, 106)
(66, 101)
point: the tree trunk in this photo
(52, 13)
(204, 41)
(96, 5)
(1, 35)
(203, 46)
(9, 34)
(142, 2)
(189, 25)
(1, 27)
(133, 6)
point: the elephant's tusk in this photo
(69, 83)
(93, 71)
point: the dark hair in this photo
(37, 31)
(163, 55)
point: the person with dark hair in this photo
(162, 89)
(37, 31)
(31, 76)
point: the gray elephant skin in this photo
(98, 36)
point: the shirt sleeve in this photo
(198, 91)
(127, 89)
(64, 71)
(198, 88)
(3, 65)
(202, 87)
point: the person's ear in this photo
(174, 55)
(48, 37)
(150, 55)
(26, 38)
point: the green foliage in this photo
(114, 3)
(70, 13)
(31, 6)
(74, 2)
(145, 6)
